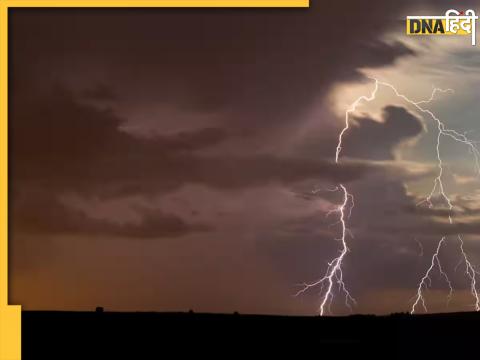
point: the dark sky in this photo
(164, 159)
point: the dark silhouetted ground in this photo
(109, 335)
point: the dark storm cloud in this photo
(64, 142)
(248, 77)
(38, 214)
(62, 145)
(263, 77)
(58, 142)
(99, 92)
(370, 139)
(264, 67)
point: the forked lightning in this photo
(334, 273)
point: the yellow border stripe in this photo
(3, 149)
(157, 3)
(10, 316)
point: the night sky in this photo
(176, 159)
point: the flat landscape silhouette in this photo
(110, 335)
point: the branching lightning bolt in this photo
(432, 97)
(334, 271)
(471, 273)
(438, 187)
(351, 110)
(426, 281)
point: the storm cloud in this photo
(182, 140)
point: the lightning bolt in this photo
(438, 187)
(432, 97)
(426, 281)
(350, 111)
(334, 271)
(471, 273)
